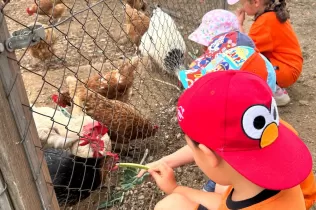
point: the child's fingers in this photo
(154, 174)
(240, 11)
(156, 169)
(141, 173)
(168, 169)
(163, 168)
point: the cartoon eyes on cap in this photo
(257, 118)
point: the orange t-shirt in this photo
(290, 199)
(301, 197)
(278, 42)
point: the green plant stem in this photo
(132, 165)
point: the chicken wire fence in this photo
(101, 85)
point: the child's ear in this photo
(211, 156)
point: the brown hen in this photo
(45, 48)
(137, 24)
(138, 4)
(125, 123)
(52, 8)
(115, 84)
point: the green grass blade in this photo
(132, 165)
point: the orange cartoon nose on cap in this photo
(269, 135)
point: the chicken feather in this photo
(137, 24)
(164, 43)
(115, 84)
(123, 120)
(57, 131)
(45, 48)
(51, 8)
(138, 4)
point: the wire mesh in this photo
(95, 58)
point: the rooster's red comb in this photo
(55, 98)
(29, 11)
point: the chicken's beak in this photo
(115, 159)
(269, 135)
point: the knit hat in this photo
(214, 22)
(234, 114)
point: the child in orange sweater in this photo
(275, 38)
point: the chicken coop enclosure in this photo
(86, 84)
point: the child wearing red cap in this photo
(275, 38)
(184, 156)
(244, 146)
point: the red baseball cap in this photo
(234, 114)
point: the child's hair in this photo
(196, 144)
(277, 6)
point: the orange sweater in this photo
(278, 42)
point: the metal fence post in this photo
(26, 179)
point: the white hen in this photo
(164, 43)
(57, 131)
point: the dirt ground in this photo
(95, 38)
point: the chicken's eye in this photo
(255, 119)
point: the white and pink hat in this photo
(214, 22)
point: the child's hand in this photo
(164, 177)
(241, 15)
(150, 165)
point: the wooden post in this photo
(22, 164)
(225, 4)
(5, 203)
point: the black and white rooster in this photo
(74, 177)
(77, 152)
(164, 43)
